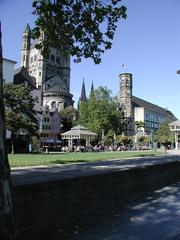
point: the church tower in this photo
(83, 93)
(92, 89)
(126, 93)
(125, 99)
(82, 97)
(26, 44)
(51, 74)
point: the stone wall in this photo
(42, 210)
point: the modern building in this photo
(51, 73)
(8, 70)
(139, 110)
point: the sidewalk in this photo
(173, 152)
(155, 217)
(52, 173)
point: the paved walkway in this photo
(51, 173)
(155, 217)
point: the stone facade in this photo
(52, 72)
(136, 109)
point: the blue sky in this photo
(148, 42)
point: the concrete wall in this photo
(42, 210)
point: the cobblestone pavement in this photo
(155, 217)
(51, 173)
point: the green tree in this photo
(164, 135)
(68, 117)
(139, 124)
(101, 112)
(84, 28)
(124, 140)
(19, 111)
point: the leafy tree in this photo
(139, 124)
(6, 209)
(124, 140)
(19, 112)
(68, 117)
(101, 112)
(164, 135)
(85, 28)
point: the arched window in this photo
(53, 104)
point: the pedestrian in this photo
(30, 148)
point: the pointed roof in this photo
(92, 87)
(27, 28)
(78, 132)
(83, 92)
(21, 75)
(56, 80)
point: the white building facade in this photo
(52, 72)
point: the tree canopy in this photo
(163, 134)
(101, 112)
(68, 117)
(83, 28)
(19, 113)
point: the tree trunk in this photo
(6, 211)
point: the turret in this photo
(82, 98)
(26, 44)
(92, 89)
(126, 93)
(83, 93)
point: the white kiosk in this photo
(175, 127)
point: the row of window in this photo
(46, 127)
(152, 124)
(46, 119)
(54, 95)
(55, 59)
(154, 117)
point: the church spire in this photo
(92, 89)
(83, 93)
(26, 44)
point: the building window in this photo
(31, 59)
(39, 87)
(57, 60)
(52, 58)
(35, 57)
(24, 57)
(39, 73)
(53, 104)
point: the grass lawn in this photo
(18, 160)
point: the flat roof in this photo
(9, 60)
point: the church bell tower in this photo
(26, 44)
